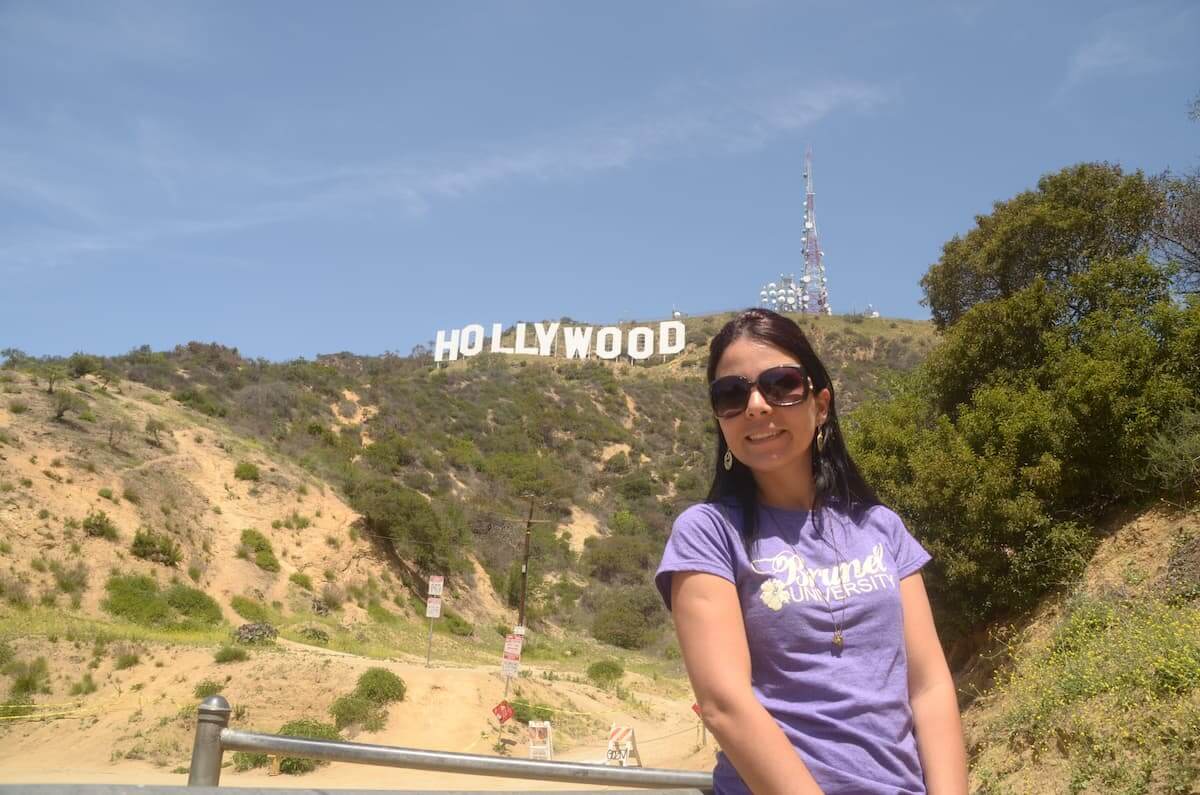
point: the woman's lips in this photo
(765, 437)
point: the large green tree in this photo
(1082, 214)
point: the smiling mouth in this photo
(767, 436)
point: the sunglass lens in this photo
(783, 386)
(730, 395)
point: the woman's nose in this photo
(756, 404)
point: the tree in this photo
(154, 427)
(1082, 214)
(13, 357)
(51, 374)
(117, 430)
(67, 401)
(1176, 229)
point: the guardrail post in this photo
(206, 752)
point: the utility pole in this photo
(525, 563)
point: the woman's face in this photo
(769, 438)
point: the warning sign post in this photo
(541, 740)
(433, 609)
(622, 747)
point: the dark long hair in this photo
(839, 484)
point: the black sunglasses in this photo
(785, 385)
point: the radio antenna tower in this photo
(814, 295)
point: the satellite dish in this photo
(806, 278)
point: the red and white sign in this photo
(436, 581)
(502, 711)
(622, 747)
(433, 607)
(510, 663)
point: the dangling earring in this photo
(728, 460)
(822, 438)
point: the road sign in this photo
(433, 607)
(502, 711)
(510, 663)
(541, 740)
(435, 584)
(622, 746)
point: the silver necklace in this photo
(839, 640)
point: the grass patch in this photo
(208, 687)
(126, 660)
(84, 686)
(305, 727)
(156, 547)
(246, 471)
(98, 524)
(253, 610)
(303, 580)
(231, 654)
(257, 545)
(1113, 691)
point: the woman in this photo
(801, 615)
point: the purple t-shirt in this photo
(846, 713)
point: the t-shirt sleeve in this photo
(701, 540)
(908, 553)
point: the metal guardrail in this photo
(214, 737)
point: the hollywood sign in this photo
(578, 342)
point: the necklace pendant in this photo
(838, 641)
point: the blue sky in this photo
(295, 178)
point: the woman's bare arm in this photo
(712, 637)
(931, 695)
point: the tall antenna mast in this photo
(814, 296)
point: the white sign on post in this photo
(435, 584)
(510, 663)
(541, 740)
(433, 607)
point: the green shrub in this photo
(456, 624)
(156, 547)
(229, 654)
(606, 673)
(136, 598)
(69, 580)
(248, 760)
(1113, 690)
(525, 712)
(246, 471)
(18, 406)
(84, 686)
(311, 729)
(630, 619)
(98, 524)
(126, 660)
(380, 686)
(353, 709)
(303, 580)
(264, 556)
(28, 678)
(197, 606)
(250, 609)
(208, 687)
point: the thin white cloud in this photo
(1137, 40)
(186, 191)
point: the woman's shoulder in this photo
(721, 514)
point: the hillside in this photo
(182, 494)
(178, 495)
